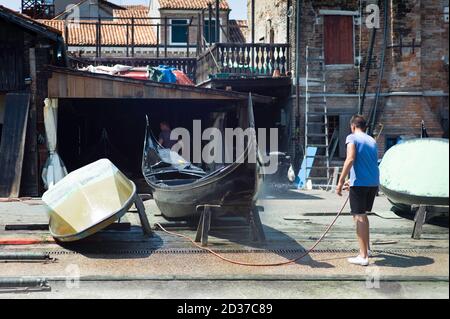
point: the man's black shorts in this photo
(362, 198)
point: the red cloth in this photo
(182, 78)
(137, 75)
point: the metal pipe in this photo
(368, 67)
(297, 58)
(373, 112)
(253, 37)
(217, 21)
(210, 13)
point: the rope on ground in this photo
(291, 261)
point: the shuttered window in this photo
(213, 31)
(179, 31)
(338, 39)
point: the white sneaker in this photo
(359, 261)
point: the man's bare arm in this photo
(351, 156)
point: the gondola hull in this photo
(416, 173)
(179, 188)
(234, 189)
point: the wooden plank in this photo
(84, 85)
(29, 186)
(13, 143)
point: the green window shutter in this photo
(179, 31)
(213, 31)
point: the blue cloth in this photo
(163, 74)
(365, 170)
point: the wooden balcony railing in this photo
(243, 59)
(221, 60)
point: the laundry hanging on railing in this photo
(161, 73)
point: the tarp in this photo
(54, 169)
(163, 74)
(182, 78)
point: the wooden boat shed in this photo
(26, 48)
(104, 116)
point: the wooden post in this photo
(419, 221)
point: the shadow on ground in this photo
(116, 245)
(402, 261)
(277, 242)
(284, 191)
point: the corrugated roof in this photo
(191, 4)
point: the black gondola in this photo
(179, 187)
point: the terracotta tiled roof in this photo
(191, 4)
(27, 21)
(112, 33)
(133, 12)
(238, 31)
(136, 7)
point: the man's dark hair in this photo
(165, 123)
(359, 122)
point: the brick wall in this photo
(416, 64)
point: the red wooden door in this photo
(338, 39)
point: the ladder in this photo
(316, 120)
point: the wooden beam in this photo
(65, 83)
(13, 143)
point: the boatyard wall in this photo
(415, 81)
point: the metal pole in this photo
(297, 58)
(288, 37)
(368, 66)
(199, 34)
(210, 12)
(188, 38)
(128, 39)
(253, 37)
(157, 39)
(132, 37)
(99, 37)
(165, 36)
(217, 21)
(373, 113)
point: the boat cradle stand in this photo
(423, 214)
(145, 224)
(204, 224)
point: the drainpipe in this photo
(373, 111)
(368, 66)
(297, 58)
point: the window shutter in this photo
(338, 39)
